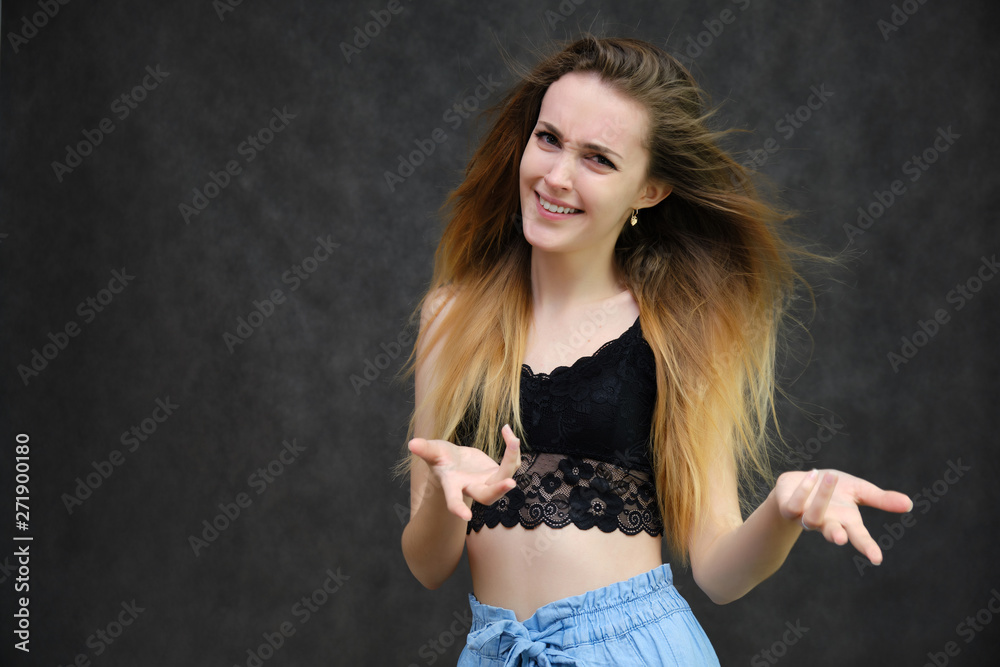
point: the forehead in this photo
(585, 109)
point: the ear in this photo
(654, 192)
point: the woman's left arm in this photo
(729, 556)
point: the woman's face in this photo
(585, 155)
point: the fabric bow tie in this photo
(517, 647)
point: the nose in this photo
(560, 174)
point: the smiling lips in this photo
(553, 208)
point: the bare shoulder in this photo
(428, 353)
(436, 305)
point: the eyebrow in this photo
(590, 146)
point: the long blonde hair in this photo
(710, 267)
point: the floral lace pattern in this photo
(558, 490)
(585, 457)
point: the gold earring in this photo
(635, 217)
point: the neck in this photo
(561, 282)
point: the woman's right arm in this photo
(433, 539)
(444, 479)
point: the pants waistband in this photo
(612, 609)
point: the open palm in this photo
(828, 500)
(468, 472)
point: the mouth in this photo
(555, 209)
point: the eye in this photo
(605, 161)
(547, 137)
(553, 140)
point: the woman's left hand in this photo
(828, 500)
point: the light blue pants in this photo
(640, 621)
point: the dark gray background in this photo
(335, 506)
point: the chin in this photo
(535, 237)
(540, 238)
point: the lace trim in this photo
(557, 490)
(584, 360)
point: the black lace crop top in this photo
(585, 454)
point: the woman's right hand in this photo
(467, 472)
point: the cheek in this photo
(535, 162)
(529, 162)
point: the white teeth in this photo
(548, 206)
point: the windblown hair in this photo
(710, 267)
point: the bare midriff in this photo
(523, 569)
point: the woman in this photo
(602, 321)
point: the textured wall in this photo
(200, 241)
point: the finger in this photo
(489, 493)
(816, 511)
(435, 453)
(835, 532)
(797, 501)
(455, 500)
(511, 456)
(863, 542)
(424, 449)
(887, 501)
